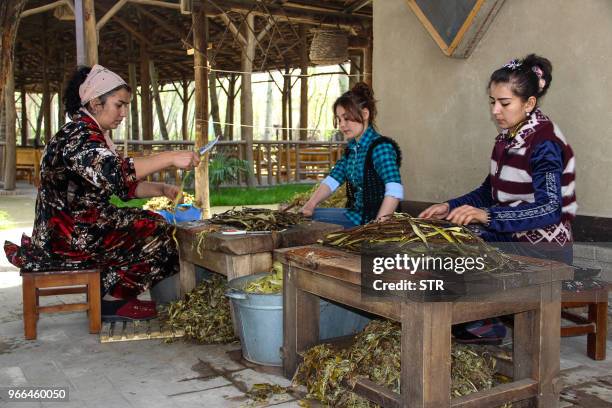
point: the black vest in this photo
(373, 185)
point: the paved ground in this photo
(152, 374)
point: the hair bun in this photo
(364, 90)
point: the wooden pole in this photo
(231, 102)
(368, 56)
(10, 10)
(200, 65)
(11, 137)
(158, 106)
(24, 118)
(132, 79)
(86, 33)
(286, 92)
(303, 84)
(46, 97)
(145, 95)
(246, 94)
(214, 104)
(39, 119)
(184, 119)
(355, 69)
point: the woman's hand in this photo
(170, 191)
(185, 159)
(307, 210)
(436, 211)
(466, 214)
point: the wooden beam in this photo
(157, 3)
(42, 9)
(303, 83)
(200, 67)
(110, 13)
(145, 95)
(232, 27)
(356, 6)
(161, 23)
(246, 95)
(86, 33)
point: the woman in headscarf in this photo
(76, 226)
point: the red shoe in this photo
(134, 309)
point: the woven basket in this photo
(329, 47)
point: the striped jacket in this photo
(512, 183)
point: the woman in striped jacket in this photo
(528, 198)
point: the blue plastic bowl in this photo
(184, 212)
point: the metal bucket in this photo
(259, 318)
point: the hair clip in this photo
(513, 64)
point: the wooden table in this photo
(237, 255)
(314, 271)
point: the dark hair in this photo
(72, 100)
(523, 76)
(353, 101)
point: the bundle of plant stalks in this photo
(164, 203)
(417, 236)
(376, 354)
(269, 284)
(336, 200)
(258, 219)
(204, 314)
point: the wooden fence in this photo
(274, 162)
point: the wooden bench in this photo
(532, 295)
(51, 283)
(28, 161)
(595, 325)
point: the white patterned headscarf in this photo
(98, 82)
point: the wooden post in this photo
(200, 61)
(368, 57)
(214, 104)
(24, 117)
(246, 94)
(303, 84)
(286, 93)
(134, 85)
(10, 10)
(11, 137)
(158, 106)
(184, 118)
(145, 95)
(229, 112)
(355, 70)
(86, 33)
(39, 119)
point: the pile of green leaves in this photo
(376, 354)
(336, 200)
(204, 315)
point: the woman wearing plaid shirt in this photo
(369, 166)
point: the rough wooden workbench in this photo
(238, 255)
(314, 271)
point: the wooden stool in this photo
(595, 326)
(50, 283)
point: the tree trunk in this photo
(24, 118)
(134, 102)
(11, 137)
(214, 103)
(145, 96)
(200, 59)
(184, 119)
(158, 106)
(10, 10)
(303, 84)
(246, 94)
(229, 111)
(269, 100)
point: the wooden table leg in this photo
(94, 302)
(29, 307)
(537, 347)
(596, 342)
(187, 277)
(300, 321)
(426, 354)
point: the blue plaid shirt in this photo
(385, 163)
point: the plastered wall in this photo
(436, 107)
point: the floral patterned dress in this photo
(77, 227)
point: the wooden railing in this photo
(274, 162)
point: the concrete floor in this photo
(154, 374)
